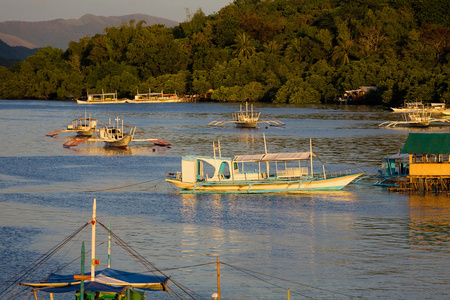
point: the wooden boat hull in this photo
(85, 131)
(246, 124)
(266, 186)
(156, 101)
(122, 143)
(101, 102)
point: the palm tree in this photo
(272, 47)
(294, 50)
(243, 46)
(342, 50)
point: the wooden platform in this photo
(424, 183)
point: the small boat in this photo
(115, 136)
(256, 173)
(246, 119)
(415, 119)
(394, 169)
(408, 107)
(97, 284)
(154, 98)
(83, 127)
(103, 98)
(414, 107)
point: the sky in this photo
(45, 10)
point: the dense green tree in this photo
(290, 51)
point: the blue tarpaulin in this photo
(107, 280)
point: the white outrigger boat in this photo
(83, 127)
(246, 119)
(408, 107)
(257, 173)
(154, 98)
(103, 98)
(421, 118)
(115, 136)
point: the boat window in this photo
(204, 170)
(224, 170)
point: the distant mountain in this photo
(58, 33)
(9, 55)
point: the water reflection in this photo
(430, 222)
(95, 149)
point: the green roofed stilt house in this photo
(429, 166)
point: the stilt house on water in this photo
(429, 162)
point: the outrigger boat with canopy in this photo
(154, 98)
(103, 98)
(97, 284)
(246, 119)
(115, 136)
(256, 173)
(415, 118)
(82, 127)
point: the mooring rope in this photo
(33, 267)
(125, 186)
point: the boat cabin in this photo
(102, 97)
(245, 167)
(395, 165)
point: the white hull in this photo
(121, 143)
(265, 186)
(247, 124)
(101, 102)
(86, 131)
(155, 101)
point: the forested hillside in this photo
(286, 51)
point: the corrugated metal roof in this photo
(249, 157)
(286, 156)
(427, 143)
(273, 157)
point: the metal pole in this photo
(218, 279)
(109, 245)
(311, 156)
(93, 221)
(83, 258)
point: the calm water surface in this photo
(361, 242)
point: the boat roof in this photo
(84, 119)
(399, 156)
(273, 157)
(429, 143)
